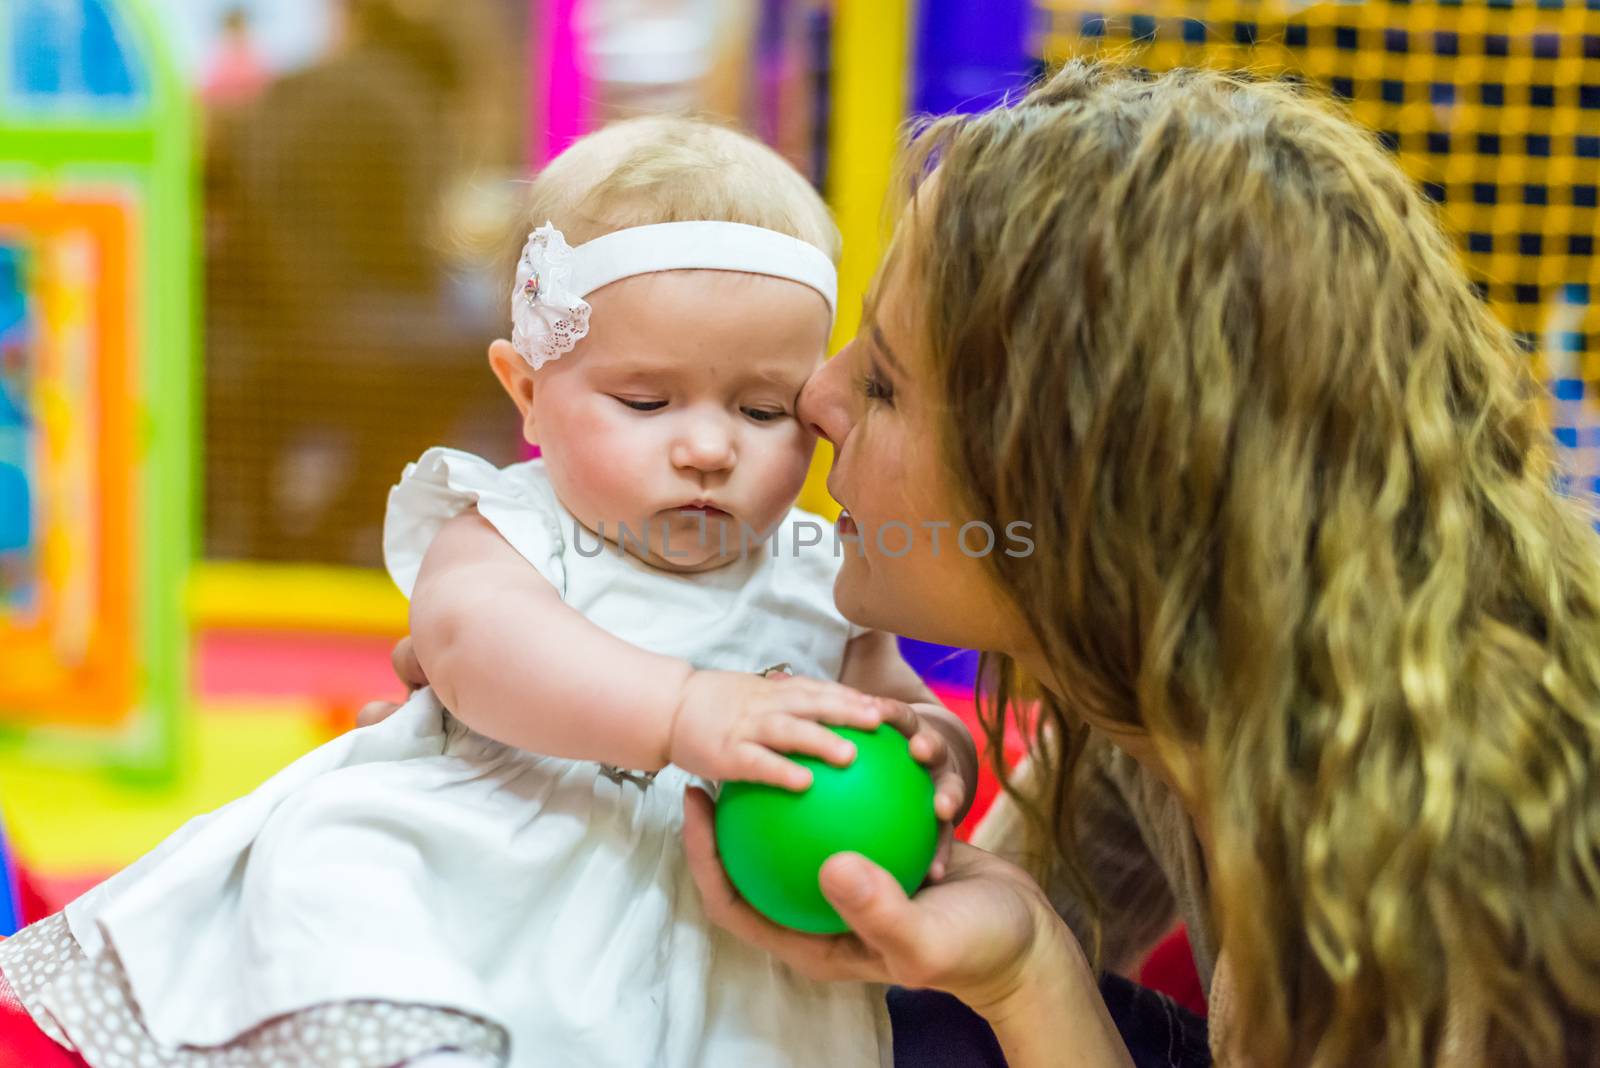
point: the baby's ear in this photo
(517, 378)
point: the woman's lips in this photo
(845, 524)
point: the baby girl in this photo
(503, 882)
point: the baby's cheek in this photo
(613, 466)
(790, 450)
(781, 473)
(795, 462)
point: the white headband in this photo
(549, 315)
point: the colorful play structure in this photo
(96, 337)
(139, 686)
(10, 891)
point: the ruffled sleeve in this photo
(517, 501)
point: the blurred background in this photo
(248, 271)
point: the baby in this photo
(503, 882)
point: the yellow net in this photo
(1493, 107)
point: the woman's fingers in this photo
(941, 854)
(902, 717)
(968, 934)
(700, 844)
(721, 901)
(949, 794)
(403, 658)
(406, 665)
(375, 712)
(887, 922)
(928, 746)
(816, 957)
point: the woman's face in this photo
(909, 566)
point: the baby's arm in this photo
(495, 640)
(512, 661)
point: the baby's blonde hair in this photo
(673, 169)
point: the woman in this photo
(1304, 617)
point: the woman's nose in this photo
(824, 403)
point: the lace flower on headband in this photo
(547, 317)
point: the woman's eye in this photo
(642, 406)
(876, 387)
(764, 415)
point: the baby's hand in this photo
(730, 725)
(940, 743)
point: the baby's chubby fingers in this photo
(790, 734)
(825, 702)
(755, 762)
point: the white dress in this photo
(432, 889)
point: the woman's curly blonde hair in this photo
(1295, 498)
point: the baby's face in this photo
(682, 398)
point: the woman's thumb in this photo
(871, 902)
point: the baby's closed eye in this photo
(640, 405)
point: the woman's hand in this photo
(976, 934)
(407, 670)
(985, 933)
(941, 743)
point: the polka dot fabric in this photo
(22, 1043)
(102, 1025)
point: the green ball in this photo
(773, 841)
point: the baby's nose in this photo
(704, 448)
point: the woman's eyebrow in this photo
(888, 354)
